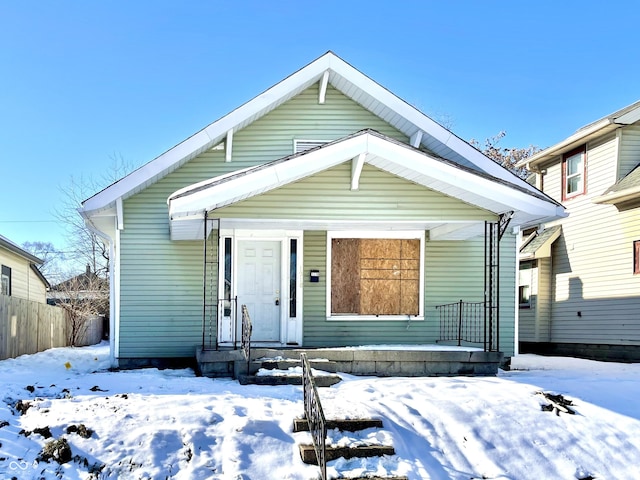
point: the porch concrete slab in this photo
(218, 355)
(363, 368)
(336, 355)
(486, 357)
(388, 369)
(412, 369)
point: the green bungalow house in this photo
(336, 212)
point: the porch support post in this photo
(204, 280)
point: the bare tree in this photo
(49, 254)
(84, 246)
(85, 299)
(507, 157)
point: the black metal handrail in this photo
(315, 415)
(468, 322)
(246, 334)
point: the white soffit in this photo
(344, 78)
(399, 159)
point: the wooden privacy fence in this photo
(30, 327)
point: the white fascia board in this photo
(146, 173)
(581, 136)
(208, 136)
(618, 197)
(424, 123)
(262, 179)
(458, 179)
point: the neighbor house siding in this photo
(629, 149)
(160, 279)
(24, 282)
(454, 270)
(328, 196)
(534, 321)
(596, 295)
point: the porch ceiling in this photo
(187, 206)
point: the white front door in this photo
(259, 286)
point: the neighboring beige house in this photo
(580, 276)
(19, 274)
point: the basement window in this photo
(375, 277)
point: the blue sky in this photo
(84, 82)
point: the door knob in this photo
(277, 301)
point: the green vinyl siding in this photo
(161, 280)
(454, 270)
(328, 196)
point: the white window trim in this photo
(291, 328)
(392, 235)
(580, 174)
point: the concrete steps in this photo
(291, 379)
(308, 453)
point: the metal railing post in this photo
(460, 306)
(314, 415)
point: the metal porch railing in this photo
(315, 415)
(247, 328)
(469, 323)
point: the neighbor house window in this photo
(524, 284)
(573, 173)
(636, 257)
(5, 280)
(375, 277)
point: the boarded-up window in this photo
(375, 276)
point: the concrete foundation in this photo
(382, 363)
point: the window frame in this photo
(390, 235)
(566, 195)
(527, 267)
(5, 273)
(636, 257)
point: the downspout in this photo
(516, 329)
(112, 286)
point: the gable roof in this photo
(9, 245)
(539, 244)
(624, 190)
(327, 69)
(187, 206)
(625, 116)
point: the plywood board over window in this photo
(375, 276)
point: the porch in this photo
(376, 360)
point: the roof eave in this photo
(575, 140)
(613, 198)
(9, 245)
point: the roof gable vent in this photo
(303, 145)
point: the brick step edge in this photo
(321, 381)
(308, 453)
(344, 425)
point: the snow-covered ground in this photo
(159, 424)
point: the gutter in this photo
(112, 297)
(580, 137)
(618, 197)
